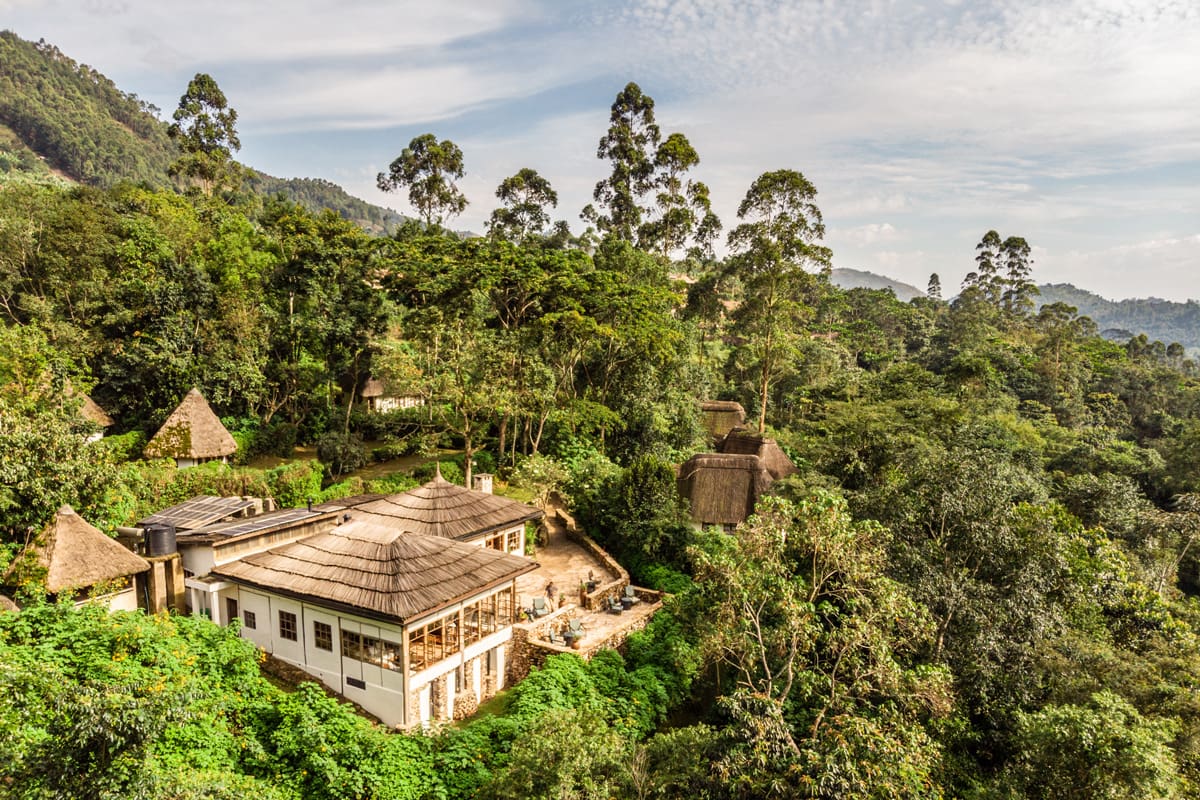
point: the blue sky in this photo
(1072, 123)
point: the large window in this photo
(287, 626)
(323, 636)
(370, 650)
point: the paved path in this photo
(562, 561)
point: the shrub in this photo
(278, 439)
(293, 485)
(125, 447)
(342, 453)
(451, 471)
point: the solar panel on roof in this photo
(258, 523)
(197, 512)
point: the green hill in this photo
(861, 279)
(61, 118)
(1164, 320)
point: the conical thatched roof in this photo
(722, 489)
(721, 416)
(743, 442)
(92, 411)
(75, 554)
(441, 508)
(378, 571)
(192, 431)
(6, 604)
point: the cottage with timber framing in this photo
(411, 627)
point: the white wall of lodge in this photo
(270, 621)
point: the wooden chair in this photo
(575, 627)
(539, 607)
(630, 598)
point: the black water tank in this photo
(160, 540)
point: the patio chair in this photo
(630, 597)
(614, 606)
(575, 628)
(539, 607)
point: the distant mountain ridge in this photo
(59, 117)
(846, 278)
(1164, 320)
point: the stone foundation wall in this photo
(596, 599)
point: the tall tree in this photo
(630, 145)
(429, 169)
(778, 239)
(525, 195)
(685, 210)
(205, 129)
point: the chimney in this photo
(483, 482)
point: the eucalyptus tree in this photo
(630, 144)
(429, 169)
(205, 129)
(526, 196)
(684, 209)
(774, 248)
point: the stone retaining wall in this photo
(597, 598)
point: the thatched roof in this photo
(192, 431)
(721, 416)
(378, 571)
(722, 489)
(441, 508)
(373, 388)
(91, 410)
(743, 442)
(75, 554)
(6, 604)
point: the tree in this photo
(630, 144)
(428, 168)
(934, 290)
(820, 645)
(205, 129)
(526, 196)
(685, 211)
(1104, 749)
(778, 239)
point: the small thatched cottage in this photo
(411, 627)
(743, 442)
(721, 416)
(79, 559)
(723, 489)
(192, 435)
(447, 510)
(92, 412)
(375, 395)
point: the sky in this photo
(923, 124)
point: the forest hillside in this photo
(979, 581)
(59, 117)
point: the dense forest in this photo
(1158, 319)
(979, 584)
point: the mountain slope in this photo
(861, 279)
(61, 117)
(1163, 320)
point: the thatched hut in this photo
(721, 416)
(743, 442)
(380, 401)
(409, 626)
(447, 510)
(723, 489)
(78, 558)
(192, 435)
(6, 604)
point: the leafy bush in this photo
(293, 485)
(342, 453)
(451, 471)
(389, 451)
(278, 439)
(125, 446)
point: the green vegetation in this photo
(979, 583)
